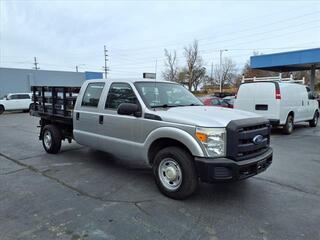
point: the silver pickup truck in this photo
(158, 123)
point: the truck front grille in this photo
(240, 135)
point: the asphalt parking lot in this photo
(86, 194)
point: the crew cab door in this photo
(86, 114)
(120, 133)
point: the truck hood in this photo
(203, 116)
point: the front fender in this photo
(176, 134)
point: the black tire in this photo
(53, 146)
(189, 179)
(31, 107)
(288, 127)
(314, 121)
(1, 109)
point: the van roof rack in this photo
(273, 79)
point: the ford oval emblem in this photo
(257, 139)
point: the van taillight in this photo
(278, 94)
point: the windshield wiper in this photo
(164, 106)
(169, 106)
(195, 104)
(188, 105)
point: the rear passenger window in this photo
(120, 93)
(24, 96)
(92, 95)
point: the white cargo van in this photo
(283, 101)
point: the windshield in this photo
(166, 95)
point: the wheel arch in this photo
(170, 136)
(291, 113)
(162, 143)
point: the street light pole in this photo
(221, 51)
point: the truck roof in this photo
(132, 80)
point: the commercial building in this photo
(20, 80)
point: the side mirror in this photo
(129, 109)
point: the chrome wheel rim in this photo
(170, 174)
(47, 139)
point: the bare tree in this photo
(226, 74)
(171, 73)
(195, 71)
(247, 71)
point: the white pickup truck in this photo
(16, 101)
(160, 124)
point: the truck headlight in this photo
(213, 140)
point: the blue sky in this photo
(63, 34)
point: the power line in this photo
(226, 34)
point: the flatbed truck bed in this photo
(54, 105)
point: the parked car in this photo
(215, 101)
(16, 101)
(283, 102)
(212, 101)
(222, 94)
(229, 101)
(160, 124)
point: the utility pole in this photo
(105, 62)
(36, 64)
(221, 51)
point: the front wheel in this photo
(175, 172)
(314, 121)
(288, 127)
(51, 139)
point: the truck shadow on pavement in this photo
(101, 174)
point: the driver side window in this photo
(120, 93)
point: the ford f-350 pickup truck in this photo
(159, 123)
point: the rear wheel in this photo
(1, 109)
(175, 172)
(314, 121)
(288, 127)
(31, 107)
(51, 139)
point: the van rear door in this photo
(260, 98)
